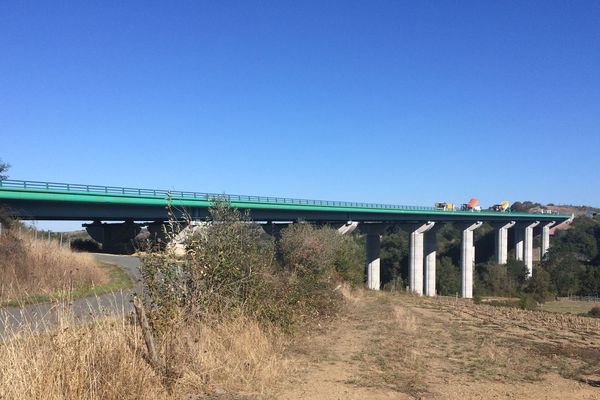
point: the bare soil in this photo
(390, 346)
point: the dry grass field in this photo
(403, 347)
(383, 346)
(106, 359)
(30, 267)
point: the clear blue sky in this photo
(399, 102)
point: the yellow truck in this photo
(504, 206)
(444, 206)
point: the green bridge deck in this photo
(22, 195)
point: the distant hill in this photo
(529, 206)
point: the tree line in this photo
(571, 267)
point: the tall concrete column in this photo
(528, 247)
(373, 242)
(415, 267)
(467, 260)
(430, 261)
(501, 242)
(546, 238)
(372, 233)
(519, 237)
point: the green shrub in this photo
(527, 302)
(307, 249)
(88, 245)
(594, 312)
(229, 268)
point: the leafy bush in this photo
(594, 312)
(322, 252)
(219, 272)
(539, 286)
(502, 280)
(527, 302)
(228, 268)
(447, 277)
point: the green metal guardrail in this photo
(263, 201)
(175, 194)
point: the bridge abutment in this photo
(114, 237)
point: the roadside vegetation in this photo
(218, 318)
(38, 270)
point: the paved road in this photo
(37, 316)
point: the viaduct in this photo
(30, 200)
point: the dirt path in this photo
(402, 347)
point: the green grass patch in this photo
(117, 280)
(569, 306)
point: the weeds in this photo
(105, 359)
(29, 266)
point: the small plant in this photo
(527, 302)
(87, 245)
(594, 312)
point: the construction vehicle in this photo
(444, 206)
(504, 206)
(471, 205)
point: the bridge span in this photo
(32, 200)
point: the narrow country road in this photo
(36, 316)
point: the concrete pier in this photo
(528, 247)
(415, 268)
(519, 237)
(467, 260)
(501, 241)
(546, 238)
(430, 261)
(116, 237)
(373, 233)
(373, 243)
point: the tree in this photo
(394, 256)
(501, 280)
(539, 285)
(3, 168)
(589, 281)
(447, 277)
(581, 239)
(565, 272)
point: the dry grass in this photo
(105, 359)
(235, 356)
(29, 266)
(98, 360)
(393, 359)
